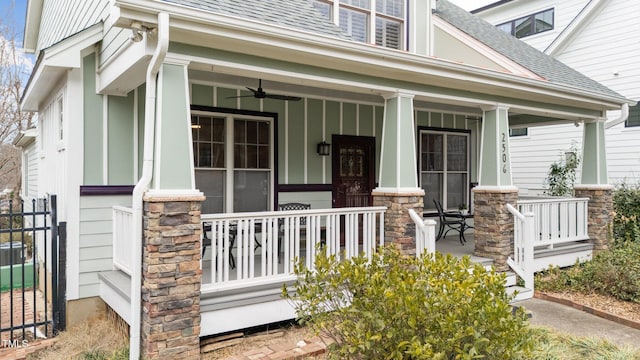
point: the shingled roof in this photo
(296, 14)
(301, 15)
(518, 51)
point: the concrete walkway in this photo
(572, 321)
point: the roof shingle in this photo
(296, 14)
(518, 51)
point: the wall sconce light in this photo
(324, 149)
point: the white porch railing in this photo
(522, 261)
(557, 220)
(425, 233)
(261, 247)
(122, 242)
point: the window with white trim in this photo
(356, 17)
(634, 116)
(444, 168)
(60, 119)
(233, 158)
(529, 25)
(515, 132)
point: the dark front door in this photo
(353, 170)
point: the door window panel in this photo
(251, 151)
(212, 185)
(444, 168)
(251, 190)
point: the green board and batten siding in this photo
(93, 125)
(96, 239)
(302, 125)
(95, 233)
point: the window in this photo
(233, 157)
(518, 132)
(355, 18)
(444, 168)
(60, 120)
(634, 116)
(529, 25)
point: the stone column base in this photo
(171, 278)
(399, 229)
(493, 232)
(600, 213)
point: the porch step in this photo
(115, 289)
(511, 279)
(522, 293)
(562, 255)
(486, 263)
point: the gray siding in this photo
(603, 49)
(31, 171)
(96, 239)
(63, 18)
(114, 39)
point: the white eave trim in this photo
(56, 59)
(583, 17)
(32, 25)
(316, 45)
(26, 137)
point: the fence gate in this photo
(32, 272)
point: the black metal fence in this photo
(32, 270)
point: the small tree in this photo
(561, 177)
(398, 307)
(14, 70)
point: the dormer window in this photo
(358, 17)
(529, 25)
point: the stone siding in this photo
(399, 229)
(600, 213)
(171, 278)
(493, 232)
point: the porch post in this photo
(594, 184)
(171, 277)
(171, 274)
(173, 169)
(493, 223)
(398, 180)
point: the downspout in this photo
(145, 179)
(624, 115)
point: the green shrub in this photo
(626, 219)
(614, 272)
(397, 307)
(561, 176)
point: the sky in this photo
(471, 4)
(13, 13)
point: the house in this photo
(593, 38)
(172, 131)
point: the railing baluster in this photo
(341, 232)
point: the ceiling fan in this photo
(261, 94)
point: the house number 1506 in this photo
(504, 153)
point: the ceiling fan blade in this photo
(283, 97)
(240, 96)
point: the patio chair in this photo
(451, 220)
(303, 221)
(206, 242)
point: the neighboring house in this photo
(593, 37)
(158, 119)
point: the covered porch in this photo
(220, 157)
(248, 257)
